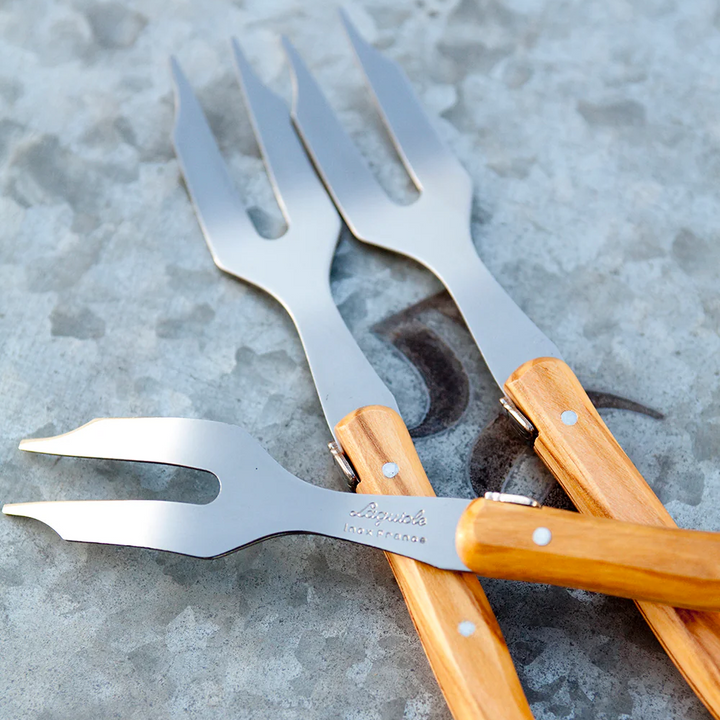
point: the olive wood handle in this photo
(452, 615)
(659, 564)
(601, 480)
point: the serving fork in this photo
(506, 536)
(540, 391)
(371, 443)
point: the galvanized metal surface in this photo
(589, 131)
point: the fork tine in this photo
(298, 190)
(248, 477)
(156, 524)
(199, 444)
(159, 440)
(346, 175)
(424, 155)
(223, 218)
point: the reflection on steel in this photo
(258, 498)
(435, 229)
(295, 268)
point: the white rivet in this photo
(466, 628)
(390, 470)
(569, 417)
(542, 536)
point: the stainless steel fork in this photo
(542, 393)
(260, 499)
(474, 669)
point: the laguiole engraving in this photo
(372, 512)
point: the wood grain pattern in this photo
(659, 564)
(475, 672)
(602, 481)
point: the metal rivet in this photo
(542, 536)
(390, 470)
(569, 417)
(466, 628)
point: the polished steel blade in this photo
(220, 212)
(434, 230)
(428, 161)
(258, 498)
(343, 170)
(301, 196)
(295, 268)
(138, 523)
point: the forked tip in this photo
(244, 68)
(296, 70)
(350, 29)
(42, 511)
(180, 82)
(176, 70)
(16, 510)
(301, 78)
(35, 444)
(289, 48)
(68, 443)
(237, 50)
(345, 18)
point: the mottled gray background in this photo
(592, 132)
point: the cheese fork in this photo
(500, 536)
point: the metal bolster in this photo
(520, 422)
(512, 499)
(345, 466)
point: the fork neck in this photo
(344, 378)
(505, 335)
